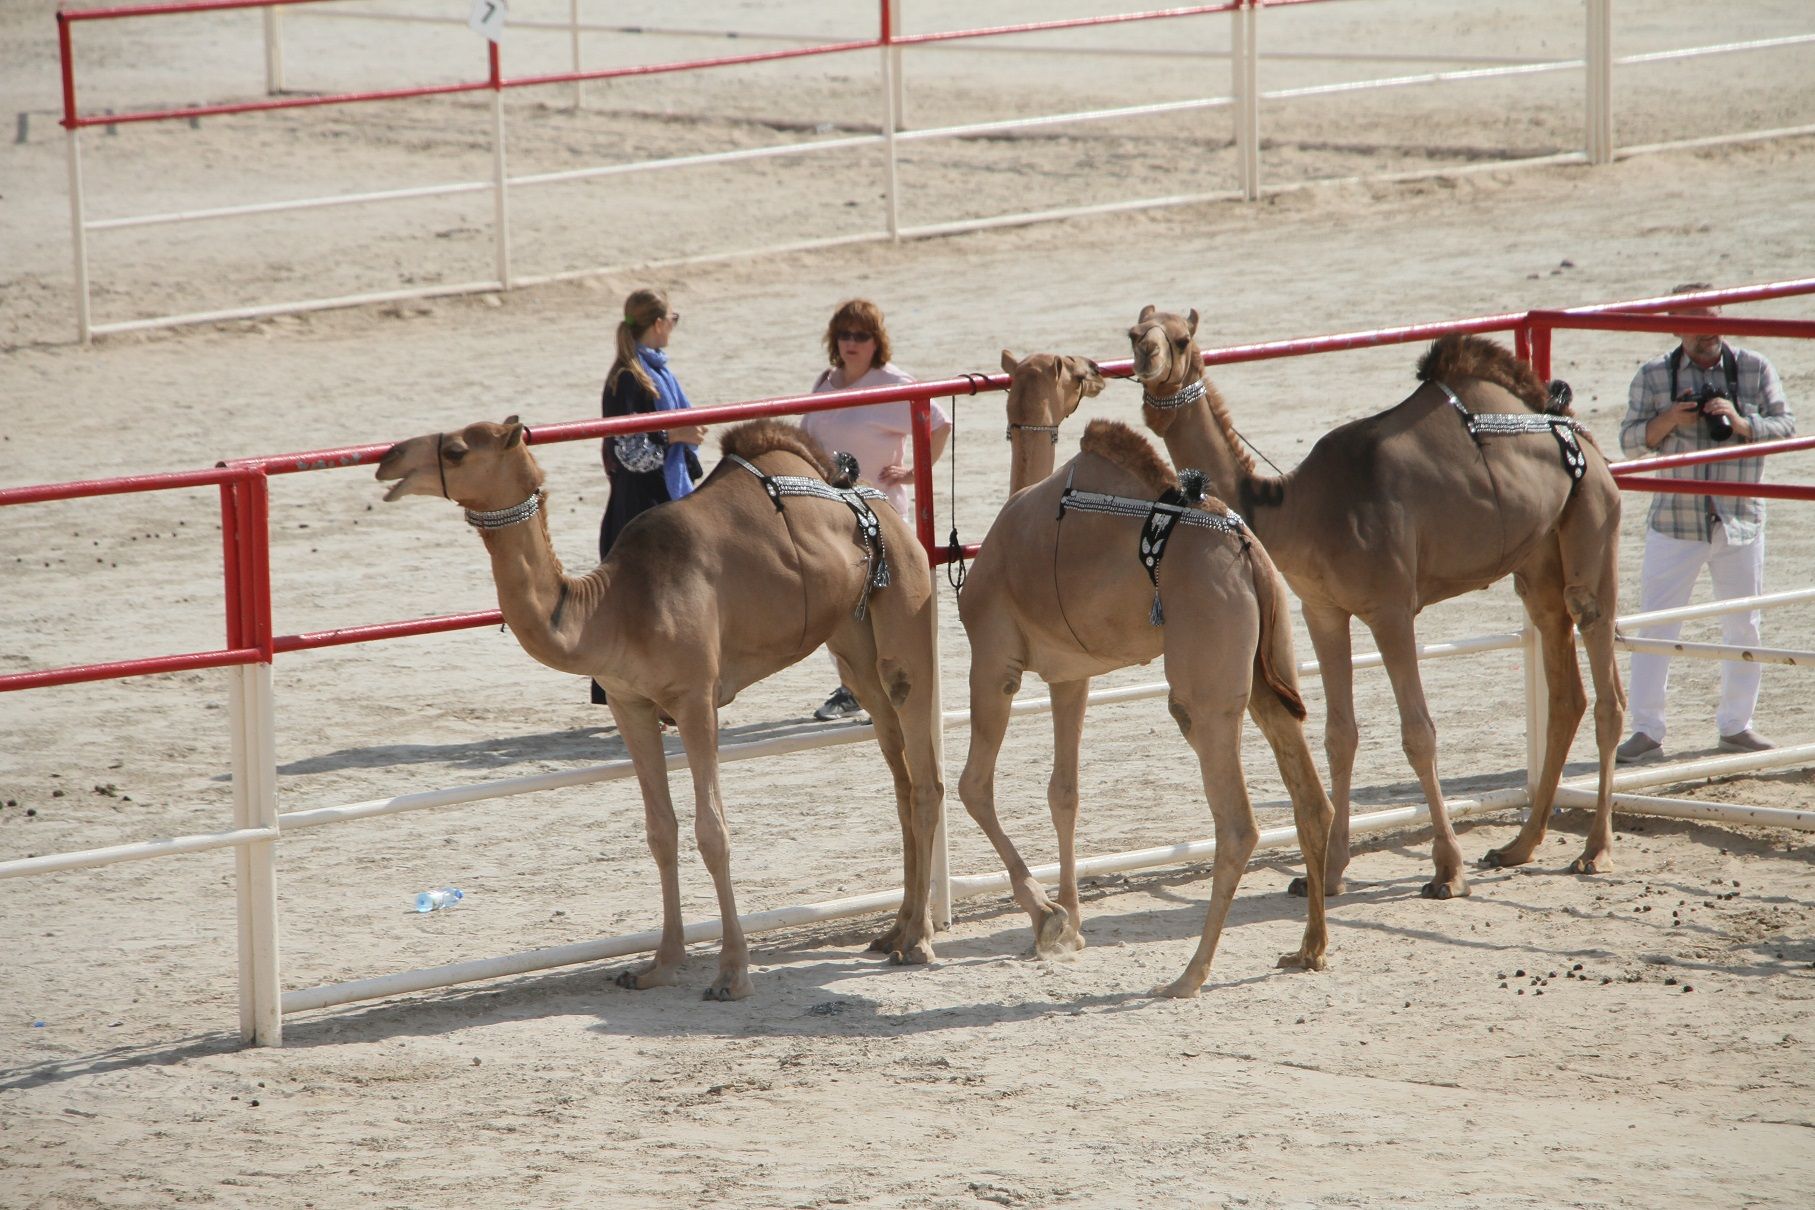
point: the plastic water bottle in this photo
(430, 901)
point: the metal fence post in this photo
(1537, 707)
(274, 50)
(1599, 55)
(890, 120)
(1244, 60)
(573, 29)
(245, 519)
(922, 427)
(500, 180)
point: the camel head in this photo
(1165, 355)
(1045, 388)
(483, 466)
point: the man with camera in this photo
(1702, 395)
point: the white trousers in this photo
(1670, 570)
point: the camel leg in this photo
(993, 685)
(1542, 590)
(1609, 721)
(637, 724)
(1068, 703)
(1311, 813)
(1589, 537)
(909, 940)
(1214, 732)
(1329, 629)
(697, 718)
(1398, 644)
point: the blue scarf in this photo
(669, 398)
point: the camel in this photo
(699, 599)
(1410, 506)
(1042, 391)
(1066, 596)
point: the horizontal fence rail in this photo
(252, 646)
(889, 42)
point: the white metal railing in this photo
(254, 836)
(1245, 99)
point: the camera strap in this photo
(1729, 367)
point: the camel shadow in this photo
(582, 745)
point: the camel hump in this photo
(1115, 442)
(1457, 356)
(755, 437)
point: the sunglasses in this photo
(855, 338)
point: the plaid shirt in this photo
(1760, 400)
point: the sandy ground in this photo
(1636, 1039)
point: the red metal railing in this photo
(495, 79)
(245, 500)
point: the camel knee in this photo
(1584, 606)
(895, 681)
(1180, 715)
(1418, 737)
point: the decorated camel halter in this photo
(1158, 521)
(504, 517)
(1506, 424)
(1187, 395)
(1051, 430)
(869, 529)
(500, 518)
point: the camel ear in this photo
(515, 435)
(1008, 362)
(1146, 313)
(1191, 322)
(1086, 371)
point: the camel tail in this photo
(1274, 663)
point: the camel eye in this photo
(1180, 344)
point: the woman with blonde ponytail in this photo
(644, 469)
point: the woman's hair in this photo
(858, 315)
(642, 309)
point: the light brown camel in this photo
(1042, 391)
(1065, 595)
(699, 599)
(1404, 508)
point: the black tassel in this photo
(1156, 616)
(1192, 484)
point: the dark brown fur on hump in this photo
(755, 437)
(1115, 442)
(1456, 356)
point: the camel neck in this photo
(1034, 453)
(1197, 439)
(544, 607)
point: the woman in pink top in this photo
(878, 435)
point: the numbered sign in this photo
(487, 19)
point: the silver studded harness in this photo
(857, 499)
(1159, 520)
(1505, 424)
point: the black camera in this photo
(1719, 427)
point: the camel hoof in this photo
(1303, 961)
(888, 943)
(1180, 988)
(1445, 890)
(1506, 858)
(642, 980)
(918, 954)
(1050, 935)
(1598, 863)
(1300, 888)
(728, 989)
